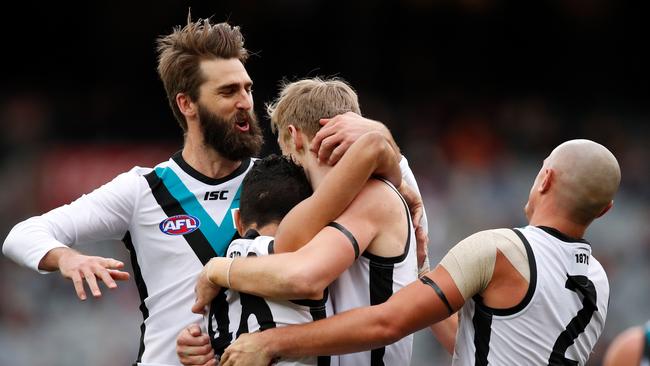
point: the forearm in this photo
(409, 178)
(359, 329)
(50, 261)
(273, 276)
(445, 332)
(29, 244)
(332, 336)
(389, 138)
(100, 215)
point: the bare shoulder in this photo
(376, 198)
(626, 348)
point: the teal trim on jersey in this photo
(218, 236)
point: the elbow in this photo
(11, 241)
(376, 144)
(389, 327)
(304, 285)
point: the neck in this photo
(315, 170)
(266, 230)
(206, 160)
(560, 223)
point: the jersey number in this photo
(250, 305)
(584, 288)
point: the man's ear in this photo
(547, 180)
(186, 105)
(236, 218)
(296, 137)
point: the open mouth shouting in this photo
(241, 123)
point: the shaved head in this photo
(586, 177)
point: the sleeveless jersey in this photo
(560, 318)
(372, 280)
(233, 313)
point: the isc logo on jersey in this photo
(179, 225)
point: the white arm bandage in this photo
(471, 262)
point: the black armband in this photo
(429, 282)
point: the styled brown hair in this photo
(180, 53)
(304, 102)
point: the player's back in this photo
(249, 313)
(387, 265)
(560, 318)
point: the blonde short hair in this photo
(303, 103)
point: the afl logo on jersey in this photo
(179, 225)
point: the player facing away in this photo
(176, 216)
(364, 255)
(527, 296)
(272, 187)
(630, 348)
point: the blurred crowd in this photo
(476, 93)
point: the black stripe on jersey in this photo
(483, 314)
(429, 282)
(219, 312)
(349, 235)
(197, 241)
(399, 258)
(562, 236)
(381, 288)
(532, 285)
(318, 313)
(142, 290)
(314, 303)
(482, 321)
(254, 305)
(178, 159)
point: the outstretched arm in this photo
(418, 304)
(41, 242)
(370, 154)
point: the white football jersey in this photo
(249, 313)
(171, 218)
(560, 318)
(372, 280)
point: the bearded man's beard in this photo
(222, 134)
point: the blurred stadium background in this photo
(476, 92)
